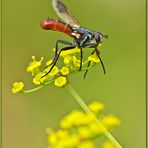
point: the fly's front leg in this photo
(93, 45)
(81, 45)
(89, 45)
(98, 54)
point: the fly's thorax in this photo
(81, 32)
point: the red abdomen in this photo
(56, 25)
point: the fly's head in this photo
(98, 36)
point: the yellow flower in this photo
(95, 128)
(65, 123)
(76, 62)
(69, 52)
(74, 118)
(17, 86)
(84, 132)
(60, 81)
(67, 142)
(67, 59)
(38, 78)
(72, 141)
(85, 119)
(34, 66)
(64, 71)
(110, 121)
(93, 58)
(48, 62)
(108, 144)
(62, 133)
(53, 72)
(96, 106)
(86, 144)
(100, 44)
(52, 139)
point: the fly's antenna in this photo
(105, 36)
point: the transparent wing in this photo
(64, 13)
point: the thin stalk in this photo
(36, 88)
(88, 111)
(32, 90)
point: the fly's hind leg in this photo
(57, 57)
(56, 49)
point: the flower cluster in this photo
(59, 74)
(79, 129)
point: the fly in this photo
(82, 37)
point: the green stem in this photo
(88, 111)
(37, 88)
(32, 90)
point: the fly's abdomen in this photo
(56, 25)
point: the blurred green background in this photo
(122, 89)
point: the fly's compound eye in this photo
(97, 36)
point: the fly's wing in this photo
(64, 13)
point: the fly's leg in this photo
(98, 54)
(57, 57)
(89, 45)
(56, 49)
(81, 57)
(81, 45)
(88, 66)
(93, 45)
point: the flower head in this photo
(79, 129)
(60, 81)
(67, 59)
(52, 138)
(38, 78)
(54, 71)
(71, 63)
(76, 62)
(70, 52)
(96, 106)
(86, 144)
(108, 144)
(64, 71)
(17, 86)
(93, 58)
(33, 67)
(110, 121)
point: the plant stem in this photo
(32, 90)
(88, 111)
(36, 88)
